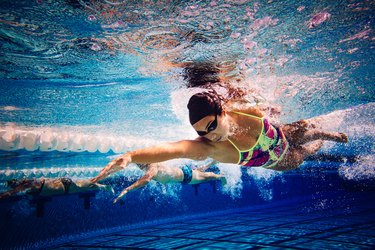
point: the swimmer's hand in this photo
(112, 167)
(124, 192)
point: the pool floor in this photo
(301, 225)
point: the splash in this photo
(362, 169)
(162, 193)
(234, 182)
(357, 122)
(263, 180)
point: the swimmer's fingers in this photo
(124, 192)
(112, 167)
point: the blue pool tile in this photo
(201, 226)
(167, 243)
(95, 240)
(256, 238)
(338, 222)
(281, 229)
(139, 231)
(221, 221)
(171, 225)
(327, 244)
(290, 231)
(127, 241)
(240, 228)
(168, 232)
(314, 226)
(295, 242)
(208, 235)
(82, 247)
(354, 238)
(321, 235)
(267, 223)
(223, 245)
(365, 232)
(273, 248)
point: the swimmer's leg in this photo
(313, 135)
(87, 185)
(295, 157)
(199, 177)
(301, 132)
(152, 171)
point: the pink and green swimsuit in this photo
(269, 149)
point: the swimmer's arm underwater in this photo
(152, 170)
(8, 193)
(13, 191)
(192, 149)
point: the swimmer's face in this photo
(213, 127)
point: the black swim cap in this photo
(203, 104)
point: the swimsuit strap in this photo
(234, 145)
(66, 183)
(253, 116)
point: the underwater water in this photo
(82, 81)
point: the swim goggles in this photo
(212, 127)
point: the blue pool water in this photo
(82, 81)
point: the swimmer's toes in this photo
(344, 138)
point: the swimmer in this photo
(240, 136)
(50, 187)
(164, 174)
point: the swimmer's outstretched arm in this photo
(192, 149)
(152, 170)
(14, 191)
(8, 193)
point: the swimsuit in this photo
(37, 191)
(66, 182)
(188, 174)
(269, 149)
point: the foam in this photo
(233, 176)
(362, 169)
(263, 179)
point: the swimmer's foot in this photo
(109, 189)
(103, 187)
(342, 137)
(338, 137)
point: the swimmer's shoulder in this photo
(252, 111)
(244, 108)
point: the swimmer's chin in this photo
(221, 138)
